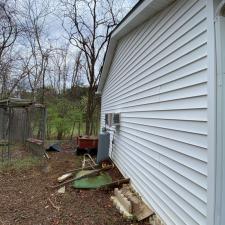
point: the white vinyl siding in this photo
(158, 82)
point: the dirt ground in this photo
(24, 198)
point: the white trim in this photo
(220, 174)
(147, 9)
(211, 114)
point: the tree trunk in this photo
(59, 135)
(73, 128)
(90, 111)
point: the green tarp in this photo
(91, 182)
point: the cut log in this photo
(64, 177)
(114, 184)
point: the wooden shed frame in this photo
(11, 104)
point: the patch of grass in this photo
(20, 164)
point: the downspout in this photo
(211, 77)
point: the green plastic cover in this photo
(91, 182)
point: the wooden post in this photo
(9, 131)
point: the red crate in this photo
(87, 142)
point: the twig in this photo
(46, 155)
(85, 168)
(88, 161)
(53, 205)
(2, 222)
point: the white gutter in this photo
(144, 11)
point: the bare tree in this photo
(34, 15)
(60, 64)
(77, 71)
(8, 27)
(8, 35)
(20, 69)
(88, 24)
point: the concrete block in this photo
(120, 207)
(123, 200)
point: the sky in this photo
(57, 32)
(58, 35)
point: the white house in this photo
(164, 72)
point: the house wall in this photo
(158, 82)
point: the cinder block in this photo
(123, 200)
(120, 207)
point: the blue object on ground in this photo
(54, 148)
